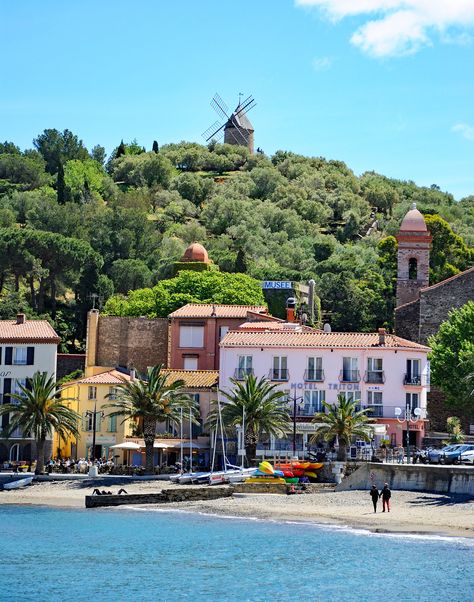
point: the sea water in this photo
(139, 554)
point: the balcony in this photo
(279, 374)
(375, 411)
(308, 409)
(314, 375)
(376, 377)
(349, 376)
(241, 373)
(413, 380)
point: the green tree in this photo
(98, 154)
(39, 410)
(22, 173)
(59, 147)
(452, 355)
(261, 405)
(344, 422)
(149, 402)
(130, 274)
(155, 148)
(453, 427)
(61, 186)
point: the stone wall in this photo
(454, 480)
(137, 342)
(69, 362)
(437, 301)
(439, 411)
(407, 321)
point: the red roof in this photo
(316, 339)
(211, 310)
(265, 325)
(428, 288)
(413, 221)
(110, 377)
(31, 331)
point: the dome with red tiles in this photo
(196, 253)
(413, 221)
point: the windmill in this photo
(235, 127)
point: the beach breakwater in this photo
(167, 496)
(455, 480)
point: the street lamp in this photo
(408, 418)
(295, 400)
(94, 426)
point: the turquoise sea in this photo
(137, 554)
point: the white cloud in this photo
(467, 131)
(322, 63)
(400, 27)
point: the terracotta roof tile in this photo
(455, 277)
(210, 310)
(31, 331)
(194, 379)
(263, 325)
(316, 339)
(110, 377)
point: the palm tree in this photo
(149, 402)
(38, 409)
(343, 421)
(260, 405)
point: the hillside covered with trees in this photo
(75, 223)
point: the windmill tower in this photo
(235, 127)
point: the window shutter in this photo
(30, 356)
(8, 356)
(7, 387)
(0, 355)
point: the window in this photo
(19, 356)
(412, 400)
(413, 376)
(92, 393)
(375, 370)
(374, 398)
(244, 367)
(112, 426)
(412, 268)
(88, 421)
(191, 336)
(351, 395)
(350, 372)
(113, 393)
(190, 362)
(280, 370)
(16, 389)
(313, 402)
(315, 369)
(223, 330)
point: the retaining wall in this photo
(418, 477)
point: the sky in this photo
(383, 85)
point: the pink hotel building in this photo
(379, 370)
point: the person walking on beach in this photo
(374, 494)
(386, 494)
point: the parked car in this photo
(453, 456)
(467, 457)
(434, 455)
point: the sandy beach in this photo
(411, 512)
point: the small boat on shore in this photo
(18, 483)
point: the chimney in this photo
(20, 318)
(382, 333)
(291, 309)
(132, 373)
(91, 337)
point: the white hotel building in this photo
(379, 370)
(26, 347)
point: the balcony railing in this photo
(349, 376)
(374, 377)
(375, 411)
(308, 409)
(315, 375)
(241, 373)
(412, 379)
(279, 374)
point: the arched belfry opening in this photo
(413, 259)
(413, 268)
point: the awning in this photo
(158, 445)
(126, 445)
(186, 445)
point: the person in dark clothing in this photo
(374, 494)
(386, 494)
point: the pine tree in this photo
(155, 148)
(120, 150)
(240, 262)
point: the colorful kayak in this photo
(267, 479)
(292, 479)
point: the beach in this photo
(411, 512)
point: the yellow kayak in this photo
(270, 480)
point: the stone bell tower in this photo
(413, 260)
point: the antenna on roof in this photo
(94, 297)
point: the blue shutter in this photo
(0, 355)
(8, 356)
(30, 356)
(7, 387)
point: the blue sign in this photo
(276, 284)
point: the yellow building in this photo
(89, 397)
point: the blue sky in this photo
(384, 85)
